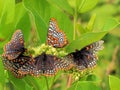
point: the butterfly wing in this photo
(15, 46)
(56, 37)
(86, 57)
(13, 66)
(19, 67)
(27, 66)
(49, 65)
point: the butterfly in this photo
(49, 65)
(56, 37)
(17, 64)
(15, 46)
(86, 57)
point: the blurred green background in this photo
(83, 21)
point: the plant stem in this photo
(47, 83)
(75, 20)
(69, 81)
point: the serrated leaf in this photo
(114, 83)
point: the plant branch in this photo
(112, 64)
(75, 20)
(69, 81)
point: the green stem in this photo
(47, 83)
(75, 20)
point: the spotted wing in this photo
(17, 66)
(27, 66)
(86, 57)
(56, 37)
(15, 46)
(49, 65)
(13, 66)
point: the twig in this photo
(112, 64)
(69, 80)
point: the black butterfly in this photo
(49, 65)
(86, 57)
(15, 46)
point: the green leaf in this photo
(7, 18)
(8, 27)
(8, 10)
(25, 25)
(86, 5)
(62, 4)
(110, 24)
(28, 87)
(91, 23)
(1, 8)
(85, 85)
(92, 77)
(2, 75)
(83, 6)
(115, 31)
(102, 14)
(17, 83)
(84, 40)
(20, 11)
(34, 82)
(114, 83)
(72, 3)
(80, 30)
(89, 38)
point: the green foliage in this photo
(32, 16)
(85, 85)
(2, 75)
(92, 36)
(83, 5)
(114, 83)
